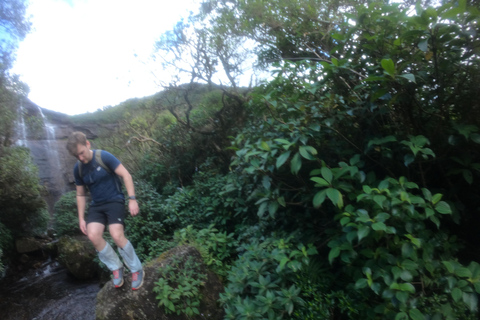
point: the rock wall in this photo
(45, 133)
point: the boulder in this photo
(124, 303)
(77, 255)
(28, 245)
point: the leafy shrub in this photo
(178, 289)
(20, 192)
(66, 215)
(146, 230)
(261, 283)
(217, 248)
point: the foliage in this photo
(217, 248)
(20, 191)
(364, 143)
(6, 244)
(178, 289)
(146, 230)
(66, 215)
(261, 285)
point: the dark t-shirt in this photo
(103, 186)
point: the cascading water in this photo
(22, 129)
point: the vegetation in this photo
(351, 172)
(343, 187)
(23, 211)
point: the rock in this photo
(124, 303)
(77, 255)
(27, 245)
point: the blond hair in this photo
(74, 140)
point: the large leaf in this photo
(296, 163)
(282, 159)
(335, 196)
(388, 66)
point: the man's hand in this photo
(83, 226)
(133, 207)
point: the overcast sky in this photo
(83, 55)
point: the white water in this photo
(52, 147)
(22, 129)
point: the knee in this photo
(95, 237)
(119, 238)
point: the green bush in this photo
(261, 283)
(178, 289)
(146, 230)
(217, 248)
(20, 193)
(66, 215)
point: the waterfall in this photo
(53, 156)
(21, 129)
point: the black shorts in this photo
(107, 213)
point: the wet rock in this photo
(124, 303)
(77, 255)
(27, 245)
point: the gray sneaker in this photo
(137, 279)
(118, 278)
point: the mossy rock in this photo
(77, 255)
(124, 303)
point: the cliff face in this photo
(45, 133)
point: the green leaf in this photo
(379, 226)
(379, 199)
(471, 300)
(319, 198)
(307, 152)
(388, 66)
(361, 283)
(436, 198)
(423, 45)
(407, 287)
(264, 145)
(335, 196)
(443, 208)
(320, 181)
(463, 272)
(362, 232)
(410, 77)
(457, 294)
(282, 159)
(327, 174)
(296, 163)
(335, 252)
(415, 314)
(475, 137)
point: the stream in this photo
(47, 292)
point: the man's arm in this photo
(81, 204)
(128, 181)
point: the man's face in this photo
(84, 154)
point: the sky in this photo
(83, 55)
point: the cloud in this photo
(86, 54)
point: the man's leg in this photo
(106, 254)
(128, 253)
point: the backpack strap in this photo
(98, 159)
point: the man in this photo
(107, 206)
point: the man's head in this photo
(79, 147)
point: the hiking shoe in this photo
(118, 278)
(137, 279)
